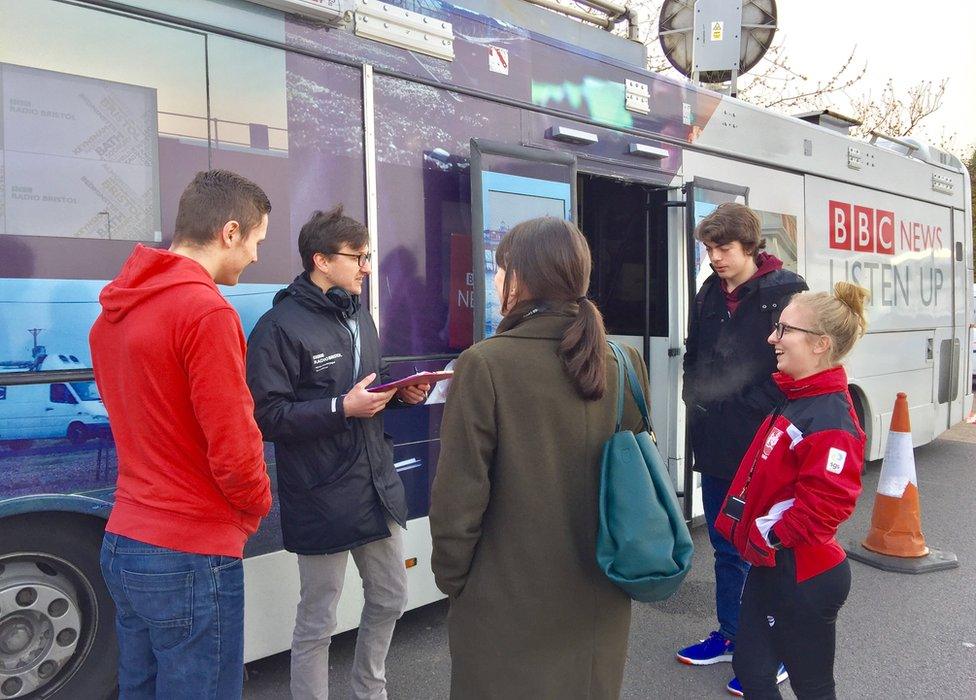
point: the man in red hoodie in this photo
(168, 354)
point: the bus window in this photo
(779, 230)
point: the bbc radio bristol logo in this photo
(861, 229)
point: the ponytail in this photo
(583, 351)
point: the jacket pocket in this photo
(755, 550)
(165, 604)
(332, 458)
(326, 475)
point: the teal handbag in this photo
(643, 544)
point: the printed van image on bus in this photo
(69, 410)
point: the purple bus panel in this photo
(291, 123)
(542, 71)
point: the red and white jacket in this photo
(805, 465)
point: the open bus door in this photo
(702, 197)
(634, 233)
(510, 184)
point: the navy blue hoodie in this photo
(336, 479)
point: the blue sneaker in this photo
(715, 649)
(735, 688)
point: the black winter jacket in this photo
(336, 480)
(728, 365)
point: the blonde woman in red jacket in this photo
(797, 483)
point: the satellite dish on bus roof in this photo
(677, 32)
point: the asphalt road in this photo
(899, 636)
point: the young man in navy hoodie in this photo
(168, 354)
(728, 389)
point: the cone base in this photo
(935, 560)
(890, 545)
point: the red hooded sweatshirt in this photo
(168, 353)
(765, 263)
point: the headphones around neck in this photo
(347, 303)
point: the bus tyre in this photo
(57, 620)
(77, 435)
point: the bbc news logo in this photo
(861, 229)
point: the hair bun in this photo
(853, 297)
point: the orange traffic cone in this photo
(895, 541)
(896, 521)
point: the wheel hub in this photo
(40, 625)
(16, 634)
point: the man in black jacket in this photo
(728, 388)
(309, 361)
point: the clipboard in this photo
(414, 379)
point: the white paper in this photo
(765, 523)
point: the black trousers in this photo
(795, 623)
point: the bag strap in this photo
(620, 385)
(624, 365)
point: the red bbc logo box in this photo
(861, 229)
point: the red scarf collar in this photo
(828, 381)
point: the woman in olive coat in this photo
(514, 506)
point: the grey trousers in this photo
(384, 575)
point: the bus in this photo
(440, 124)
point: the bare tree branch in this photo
(898, 113)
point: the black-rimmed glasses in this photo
(781, 328)
(361, 258)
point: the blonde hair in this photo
(839, 315)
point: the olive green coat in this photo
(514, 518)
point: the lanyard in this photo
(755, 460)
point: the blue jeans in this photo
(730, 570)
(179, 619)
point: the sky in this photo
(898, 39)
(905, 40)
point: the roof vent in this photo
(832, 120)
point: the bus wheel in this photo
(77, 435)
(57, 619)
